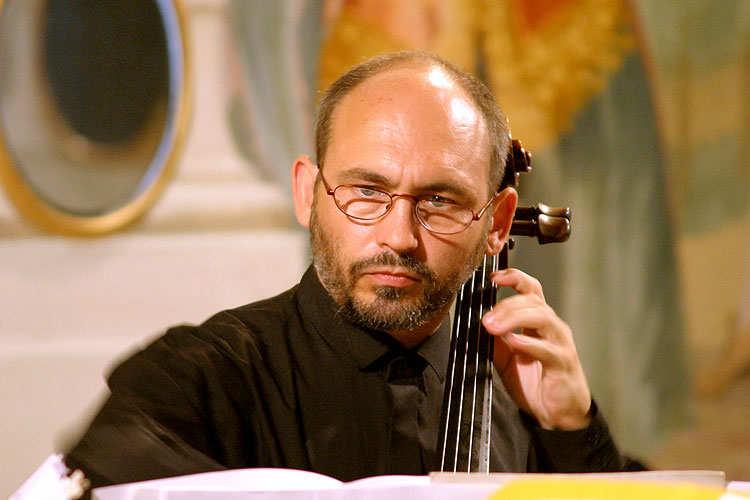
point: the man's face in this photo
(411, 131)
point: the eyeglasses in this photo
(433, 213)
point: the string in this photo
(448, 406)
(490, 294)
(473, 300)
(467, 311)
(476, 382)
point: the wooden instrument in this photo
(467, 415)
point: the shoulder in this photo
(257, 317)
(227, 340)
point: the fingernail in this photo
(490, 319)
(514, 337)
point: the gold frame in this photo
(40, 212)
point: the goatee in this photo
(391, 309)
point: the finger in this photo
(515, 375)
(499, 312)
(521, 301)
(518, 281)
(519, 314)
(503, 354)
(547, 353)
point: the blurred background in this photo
(145, 149)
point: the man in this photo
(343, 374)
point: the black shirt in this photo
(287, 382)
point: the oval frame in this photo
(160, 169)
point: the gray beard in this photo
(392, 309)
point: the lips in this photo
(393, 278)
(396, 271)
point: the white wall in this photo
(69, 307)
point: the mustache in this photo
(388, 259)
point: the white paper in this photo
(260, 480)
(740, 486)
(286, 484)
(706, 477)
(50, 482)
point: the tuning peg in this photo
(531, 213)
(521, 157)
(517, 162)
(547, 224)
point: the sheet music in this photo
(282, 484)
(51, 482)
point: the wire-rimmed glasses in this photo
(433, 213)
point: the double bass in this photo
(466, 420)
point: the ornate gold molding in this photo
(41, 211)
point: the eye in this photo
(436, 201)
(367, 191)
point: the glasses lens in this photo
(445, 218)
(360, 202)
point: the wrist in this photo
(571, 420)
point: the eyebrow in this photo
(363, 175)
(355, 175)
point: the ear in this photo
(304, 173)
(503, 209)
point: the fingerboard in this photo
(467, 404)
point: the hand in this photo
(540, 366)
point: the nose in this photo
(398, 228)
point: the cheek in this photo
(347, 241)
(447, 256)
(353, 237)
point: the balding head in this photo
(477, 92)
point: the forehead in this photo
(409, 116)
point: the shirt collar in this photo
(364, 346)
